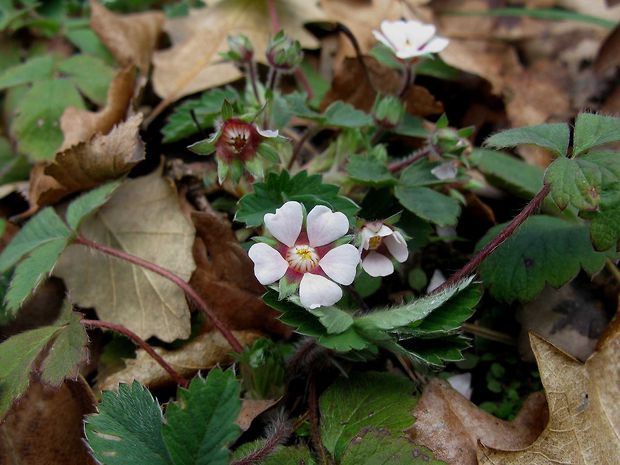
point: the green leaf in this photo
(508, 173)
(279, 188)
(302, 320)
(17, 357)
(84, 38)
(605, 222)
(35, 69)
(544, 250)
(44, 227)
(91, 76)
(575, 182)
(201, 423)
(343, 115)
(32, 271)
(429, 204)
(293, 455)
(37, 127)
(554, 136)
(366, 170)
(378, 447)
(13, 167)
(180, 124)
(86, 204)
(411, 126)
(127, 429)
(437, 352)
(335, 320)
(419, 175)
(592, 130)
(396, 317)
(371, 400)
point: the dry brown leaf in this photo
(584, 410)
(250, 409)
(608, 57)
(350, 85)
(142, 218)
(193, 63)
(45, 426)
(130, 38)
(598, 8)
(201, 353)
(224, 277)
(451, 426)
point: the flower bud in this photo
(388, 111)
(284, 53)
(450, 142)
(240, 49)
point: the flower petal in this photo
(340, 263)
(397, 246)
(285, 223)
(444, 171)
(376, 264)
(267, 132)
(436, 45)
(269, 266)
(325, 226)
(384, 40)
(318, 291)
(436, 280)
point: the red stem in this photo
(313, 413)
(415, 156)
(301, 77)
(281, 431)
(140, 342)
(169, 275)
(273, 14)
(470, 267)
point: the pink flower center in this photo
(237, 137)
(302, 258)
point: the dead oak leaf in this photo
(193, 63)
(584, 409)
(143, 218)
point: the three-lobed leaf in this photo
(552, 136)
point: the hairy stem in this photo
(273, 15)
(313, 412)
(169, 275)
(281, 430)
(411, 159)
(471, 266)
(139, 342)
(252, 74)
(310, 132)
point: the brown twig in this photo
(471, 266)
(169, 275)
(140, 342)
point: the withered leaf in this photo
(250, 409)
(142, 218)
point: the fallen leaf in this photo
(224, 277)
(201, 353)
(142, 218)
(193, 63)
(45, 427)
(451, 426)
(130, 38)
(350, 85)
(584, 410)
(250, 409)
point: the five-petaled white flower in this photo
(309, 257)
(410, 39)
(378, 243)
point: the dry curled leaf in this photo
(584, 410)
(130, 38)
(45, 426)
(451, 426)
(250, 409)
(142, 218)
(201, 353)
(224, 277)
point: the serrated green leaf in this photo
(344, 115)
(91, 76)
(127, 428)
(86, 204)
(207, 107)
(419, 174)
(544, 250)
(553, 136)
(201, 423)
(508, 172)
(279, 188)
(437, 352)
(575, 182)
(429, 204)
(37, 127)
(370, 400)
(13, 167)
(402, 315)
(346, 341)
(605, 222)
(368, 171)
(293, 455)
(44, 227)
(592, 130)
(32, 271)
(335, 320)
(293, 315)
(35, 69)
(411, 126)
(17, 357)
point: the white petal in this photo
(436, 45)
(340, 263)
(444, 171)
(318, 291)
(267, 132)
(420, 34)
(269, 266)
(325, 226)
(384, 40)
(462, 384)
(397, 246)
(285, 223)
(436, 280)
(409, 52)
(376, 264)
(365, 235)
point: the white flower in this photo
(310, 256)
(444, 171)
(379, 243)
(462, 384)
(410, 39)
